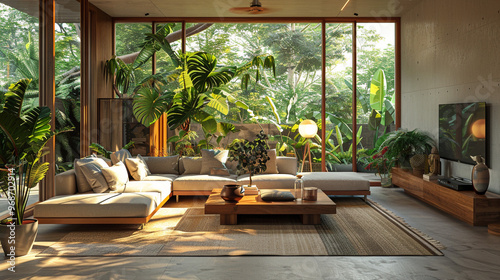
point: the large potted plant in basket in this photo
(250, 155)
(23, 135)
(403, 144)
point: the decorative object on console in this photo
(480, 175)
(434, 162)
(298, 188)
(418, 162)
(307, 129)
(232, 193)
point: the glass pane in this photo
(129, 39)
(295, 91)
(19, 50)
(67, 70)
(375, 103)
(338, 113)
(18, 60)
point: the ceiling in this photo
(279, 8)
(68, 10)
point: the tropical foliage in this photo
(23, 135)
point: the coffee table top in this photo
(253, 204)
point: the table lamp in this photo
(307, 129)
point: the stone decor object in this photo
(232, 193)
(480, 175)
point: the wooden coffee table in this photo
(310, 211)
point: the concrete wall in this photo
(451, 54)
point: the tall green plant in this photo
(402, 145)
(23, 136)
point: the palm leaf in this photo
(100, 150)
(36, 174)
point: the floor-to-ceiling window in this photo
(19, 34)
(278, 103)
(67, 78)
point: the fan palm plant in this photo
(23, 135)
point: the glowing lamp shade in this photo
(478, 129)
(308, 129)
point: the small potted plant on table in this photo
(250, 155)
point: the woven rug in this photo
(358, 229)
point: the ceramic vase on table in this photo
(232, 193)
(480, 175)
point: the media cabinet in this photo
(474, 209)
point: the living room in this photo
(447, 55)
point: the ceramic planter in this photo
(21, 237)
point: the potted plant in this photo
(23, 135)
(402, 145)
(250, 155)
(382, 164)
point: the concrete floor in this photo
(471, 253)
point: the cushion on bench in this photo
(336, 181)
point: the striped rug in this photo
(358, 229)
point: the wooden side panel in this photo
(101, 50)
(408, 182)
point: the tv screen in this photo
(462, 131)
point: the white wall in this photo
(451, 54)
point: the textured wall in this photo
(451, 54)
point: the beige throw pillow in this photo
(81, 182)
(190, 165)
(213, 159)
(272, 168)
(137, 168)
(163, 165)
(92, 171)
(120, 155)
(116, 176)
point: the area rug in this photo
(358, 229)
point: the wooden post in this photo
(47, 88)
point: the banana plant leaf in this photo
(378, 89)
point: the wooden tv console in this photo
(474, 209)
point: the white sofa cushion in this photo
(116, 176)
(137, 167)
(92, 171)
(164, 188)
(120, 155)
(287, 165)
(163, 165)
(213, 159)
(336, 181)
(202, 182)
(190, 165)
(268, 181)
(103, 205)
(161, 177)
(271, 166)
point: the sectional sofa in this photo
(138, 201)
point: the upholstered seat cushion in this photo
(161, 177)
(336, 181)
(99, 205)
(269, 181)
(202, 182)
(164, 188)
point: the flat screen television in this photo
(463, 131)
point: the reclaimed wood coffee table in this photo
(310, 211)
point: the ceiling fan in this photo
(255, 8)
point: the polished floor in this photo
(471, 253)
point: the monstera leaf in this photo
(186, 105)
(149, 105)
(203, 72)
